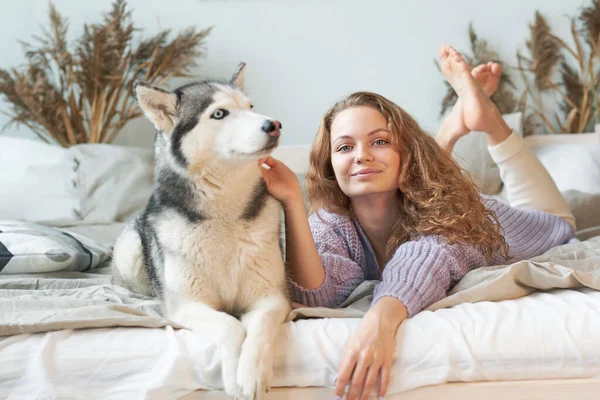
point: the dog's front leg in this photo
(262, 322)
(224, 330)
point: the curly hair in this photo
(436, 197)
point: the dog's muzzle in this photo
(272, 128)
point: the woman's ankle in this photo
(499, 131)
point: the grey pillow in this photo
(32, 248)
(585, 208)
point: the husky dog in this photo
(207, 243)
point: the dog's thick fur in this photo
(207, 243)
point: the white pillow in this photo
(85, 184)
(37, 182)
(27, 248)
(471, 153)
(114, 182)
(572, 166)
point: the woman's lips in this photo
(366, 172)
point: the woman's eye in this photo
(344, 148)
(380, 142)
(219, 113)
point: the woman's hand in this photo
(368, 355)
(282, 182)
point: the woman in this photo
(393, 206)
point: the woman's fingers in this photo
(386, 371)
(269, 161)
(358, 376)
(344, 373)
(370, 381)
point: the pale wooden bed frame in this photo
(296, 157)
(551, 389)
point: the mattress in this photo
(546, 335)
(547, 389)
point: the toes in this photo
(444, 51)
(480, 70)
(458, 58)
(455, 54)
(448, 52)
(452, 62)
(496, 69)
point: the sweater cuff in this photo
(322, 296)
(512, 145)
(334, 289)
(409, 296)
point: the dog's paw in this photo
(230, 355)
(230, 379)
(253, 375)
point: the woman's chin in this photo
(355, 192)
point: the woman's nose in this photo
(363, 154)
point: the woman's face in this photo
(364, 160)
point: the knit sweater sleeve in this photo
(341, 254)
(528, 232)
(422, 271)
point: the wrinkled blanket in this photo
(564, 267)
(71, 300)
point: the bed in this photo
(528, 330)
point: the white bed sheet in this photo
(546, 335)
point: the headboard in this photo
(296, 157)
(563, 138)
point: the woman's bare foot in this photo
(479, 113)
(487, 76)
(453, 126)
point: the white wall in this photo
(304, 55)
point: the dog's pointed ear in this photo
(159, 105)
(238, 76)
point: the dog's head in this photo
(209, 120)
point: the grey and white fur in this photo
(208, 242)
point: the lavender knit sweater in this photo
(421, 271)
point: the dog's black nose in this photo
(272, 127)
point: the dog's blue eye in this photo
(219, 113)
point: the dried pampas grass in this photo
(566, 72)
(83, 94)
